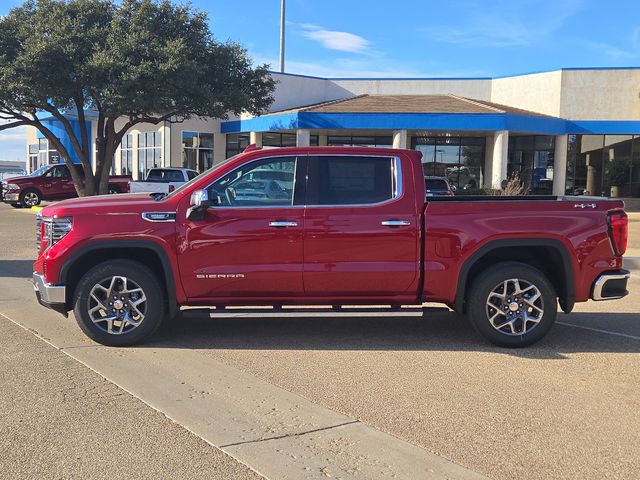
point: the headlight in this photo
(10, 186)
(53, 229)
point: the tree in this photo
(128, 62)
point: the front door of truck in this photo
(58, 183)
(250, 243)
(362, 227)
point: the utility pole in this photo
(282, 15)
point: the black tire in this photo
(512, 334)
(30, 198)
(136, 274)
(113, 189)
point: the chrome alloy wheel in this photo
(117, 305)
(31, 199)
(515, 307)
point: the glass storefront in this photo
(237, 142)
(531, 159)
(459, 159)
(385, 141)
(46, 154)
(607, 165)
(126, 154)
(149, 152)
(197, 150)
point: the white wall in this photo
(538, 92)
(294, 91)
(477, 89)
(601, 94)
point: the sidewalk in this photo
(62, 420)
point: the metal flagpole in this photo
(282, 15)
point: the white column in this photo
(134, 160)
(166, 146)
(400, 139)
(560, 164)
(497, 162)
(303, 137)
(322, 140)
(255, 138)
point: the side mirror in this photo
(199, 203)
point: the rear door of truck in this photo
(361, 227)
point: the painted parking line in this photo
(599, 330)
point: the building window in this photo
(126, 154)
(33, 157)
(531, 158)
(607, 165)
(360, 141)
(149, 152)
(459, 159)
(278, 139)
(197, 150)
(236, 143)
(47, 155)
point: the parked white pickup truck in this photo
(163, 180)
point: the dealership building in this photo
(573, 131)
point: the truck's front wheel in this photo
(512, 304)
(30, 198)
(119, 303)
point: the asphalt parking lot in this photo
(566, 408)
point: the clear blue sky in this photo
(423, 37)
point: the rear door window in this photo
(350, 180)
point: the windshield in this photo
(184, 186)
(39, 172)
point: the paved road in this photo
(566, 408)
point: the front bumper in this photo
(611, 285)
(10, 197)
(50, 296)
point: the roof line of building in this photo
(457, 78)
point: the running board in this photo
(293, 312)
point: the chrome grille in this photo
(55, 231)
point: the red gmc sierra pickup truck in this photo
(51, 182)
(347, 226)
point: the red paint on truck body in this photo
(335, 254)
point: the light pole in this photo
(282, 14)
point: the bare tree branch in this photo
(6, 126)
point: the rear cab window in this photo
(435, 184)
(351, 180)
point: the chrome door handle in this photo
(283, 224)
(395, 223)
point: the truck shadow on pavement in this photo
(439, 332)
(16, 268)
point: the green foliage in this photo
(141, 60)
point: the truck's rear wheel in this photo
(119, 303)
(512, 304)
(30, 198)
(113, 189)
